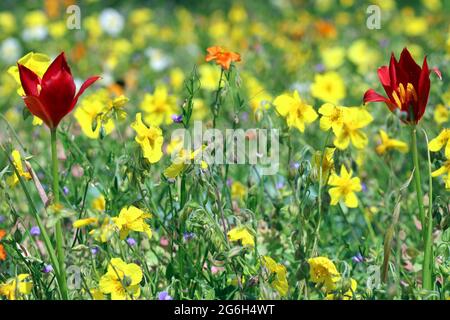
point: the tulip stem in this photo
(417, 177)
(62, 282)
(426, 225)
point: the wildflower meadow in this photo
(224, 150)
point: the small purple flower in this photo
(384, 43)
(364, 187)
(188, 236)
(280, 185)
(164, 295)
(319, 67)
(131, 242)
(47, 268)
(2, 218)
(229, 182)
(295, 165)
(35, 231)
(94, 250)
(244, 116)
(358, 258)
(66, 190)
(177, 118)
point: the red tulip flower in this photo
(52, 97)
(407, 86)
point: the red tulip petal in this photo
(58, 89)
(60, 63)
(410, 67)
(437, 72)
(396, 71)
(29, 80)
(373, 96)
(423, 90)
(385, 79)
(83, 87)
(38, 109)
(383, 74)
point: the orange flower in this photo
(2, 250)
(222, 57)
(326, 29)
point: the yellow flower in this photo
(89, 114)
(35, 18)
(441, 114)
(97, 294)
(181, 161)
(17, 286)
(323, 271)
(348, 295)
(438, 143)
(387, 144)
(7, 23)
(176, 78)
(353, 121)
(99, 203)
(17, 160)
(297, 112)
(209, 77)
(237, 13)
(241, 234)
(328, 87)
(121, 280)
(159, 106)
(332, 116)
(104, 228)
(415, 26)
(363, 56)
(333, 57)
(140, 16)
(115, 107)
(175, 145)
(149, 138)
(57, 29)
(36, 62)
(104, 232)
(238, 190)
(199, 110)
(327, 162)
(258, 96)
(80, 223)
(279, 282)
(344, 187)
(445, 169)
(132, 219)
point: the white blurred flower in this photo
(111, 21)
(10, 50)
(158, 59)
(107, 79)
(301, 87)
(36, 33)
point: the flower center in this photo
(404, 96)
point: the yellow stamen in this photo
(397, 100)
(411, 91)
(402, 93)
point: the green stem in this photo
(216, 100)
(426, 225)
(417, 178)
(428, 254)
(319, 196)
(58, 227)
(46, 238)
